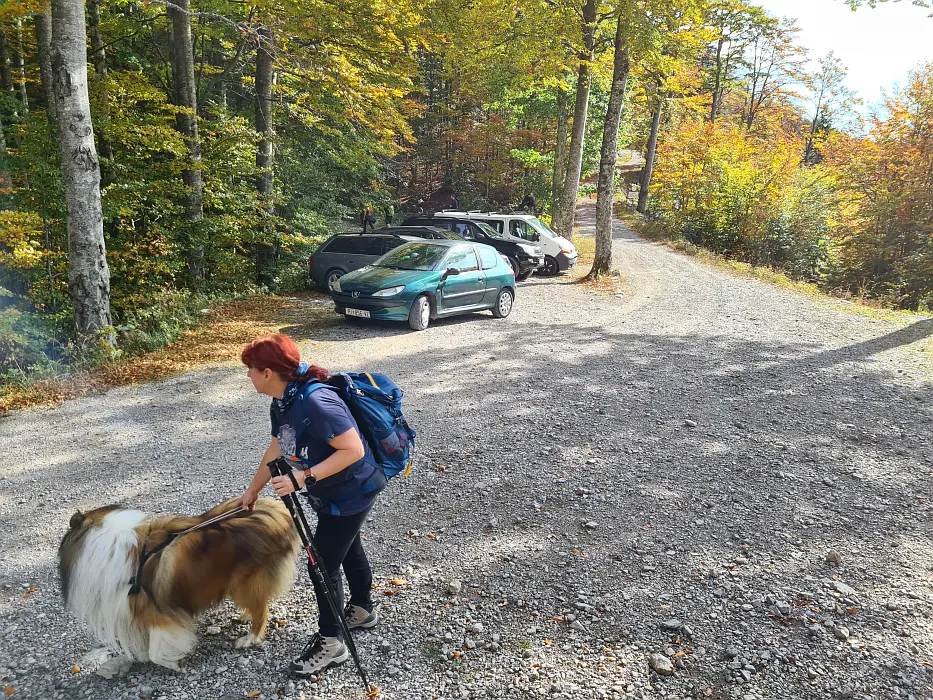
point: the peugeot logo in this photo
(354, 294)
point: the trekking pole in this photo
(281, 467)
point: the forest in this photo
(156, 157)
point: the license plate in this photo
(357, 312)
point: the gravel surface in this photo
(707, 488)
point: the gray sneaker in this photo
(358, 617)
(318, 654)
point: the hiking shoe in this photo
(359, 617)
(319, 653)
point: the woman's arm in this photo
(348, 449)
(248, 499)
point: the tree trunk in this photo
(265, 252)
(186, 122)
(19, 65)
(88, 274)
(605, 189)
(43, 45)
(6, 80)
(99, 59)
(717, 87)
(649, 155)
(6, 182)
(560, 154)
(568, 199)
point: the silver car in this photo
(344, 252)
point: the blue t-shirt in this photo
(347, 492)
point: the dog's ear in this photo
(76, 519)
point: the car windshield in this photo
(542, 227)
(488, 230)
(413, 256)
(449, 235)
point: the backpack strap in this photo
(301, 413)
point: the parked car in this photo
(417, 282)
(524, 256)
(345, 252)
(559, 253)
(430, 232)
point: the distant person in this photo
(420, 205)
(370, 219)
(362, 215)
(454, 202)
(529, 203)
(390, 214)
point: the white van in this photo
(559, 253)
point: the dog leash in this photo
(136, 582)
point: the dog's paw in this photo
(248, 640)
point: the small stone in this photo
(841, 633)
(833, 557)
(454, 587)
(576, 625)
(591, 525)
(213, 629)
(843, 589)
(661, 664)
(690, 423)
(672, 625)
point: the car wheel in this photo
(504, 303)
(331, 277)
(420, 315)
(550, 266)
(515, 267)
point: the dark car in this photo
(429, 232)
(346, 252)
(524, 258)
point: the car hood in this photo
(371, 279)
(565, 244)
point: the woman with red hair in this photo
(339, 477)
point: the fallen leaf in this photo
(76, 669)
(547, 642)
(388, 592)
(253, 694)
(852, 611)
(9, 690)
(709, 691)
(30, 592)
(280, 623)
(440, 467)
(398, 582)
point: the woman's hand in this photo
(283, 486)
(248, 500)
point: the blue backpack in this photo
(376, 404)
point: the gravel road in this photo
(707, 488)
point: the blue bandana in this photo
(291, 391)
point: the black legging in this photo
(337, 538)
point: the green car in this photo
(419, 281)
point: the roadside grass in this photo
(219, 338)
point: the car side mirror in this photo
(451, 271)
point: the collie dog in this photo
(249, 558)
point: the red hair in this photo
(280, 354)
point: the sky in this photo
(879, 46)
